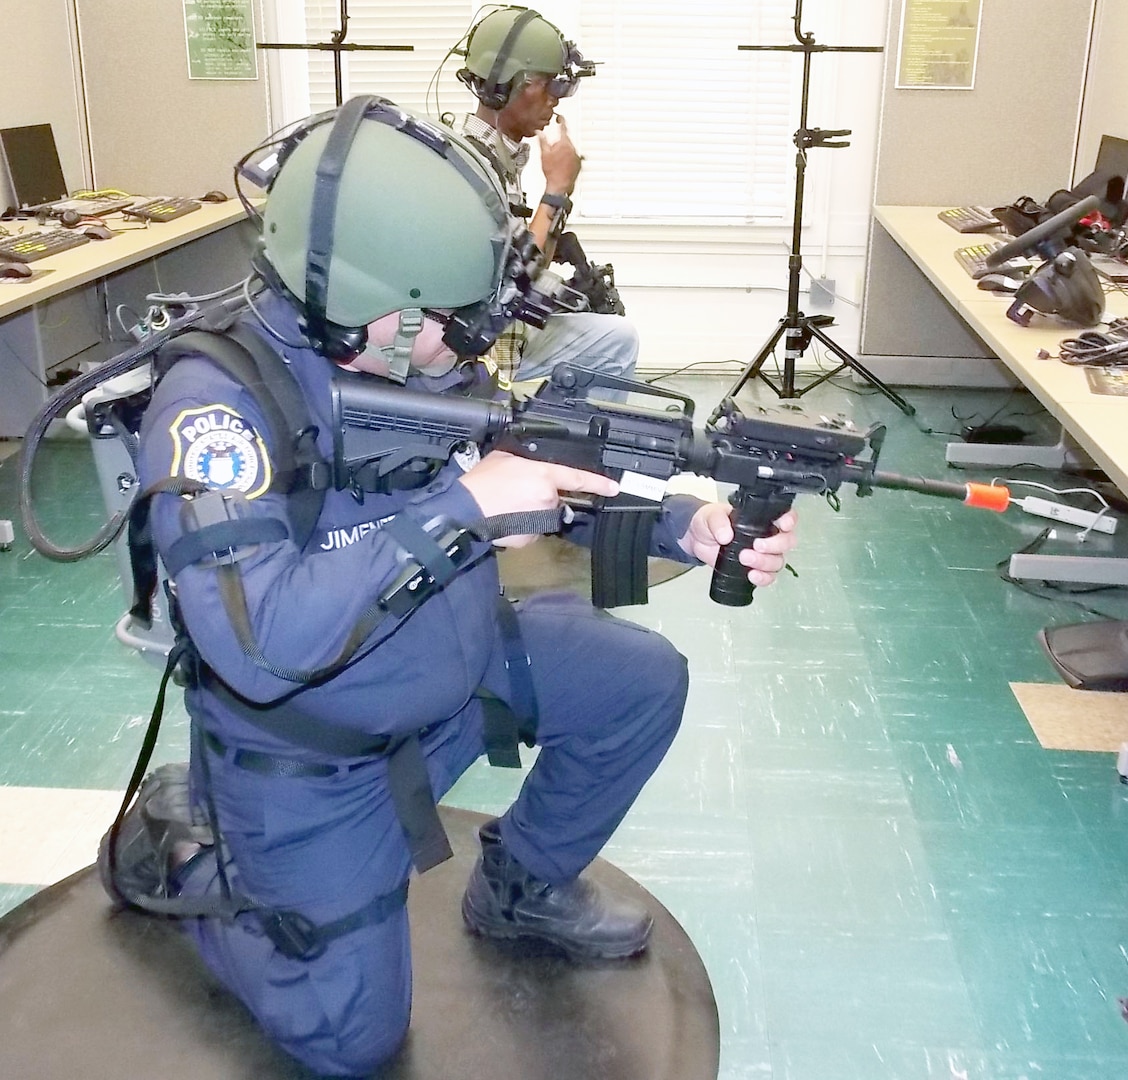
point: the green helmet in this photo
(410, 217)
(513, 40)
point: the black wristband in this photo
(559, 202)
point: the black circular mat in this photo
(89, 991)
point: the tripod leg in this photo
(754, 369)
(869, 376)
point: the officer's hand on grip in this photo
(503, 483)
(711, 528)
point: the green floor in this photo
(884, 872)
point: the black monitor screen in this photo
(34, 171)
(1112, 157)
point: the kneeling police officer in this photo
(313, 721)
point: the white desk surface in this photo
(134, 243)
(932, 245)
(1099, 422)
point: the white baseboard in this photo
(961, 371)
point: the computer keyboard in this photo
(27, 247)
(967, 219)
(973, 259)
(162, 209)
(90, 205)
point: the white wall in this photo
(153, 130)
(1105, 110)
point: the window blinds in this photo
(430, 27)
(678, 125)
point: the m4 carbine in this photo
(597, 283)
(769, 456)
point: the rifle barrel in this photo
(984, 496)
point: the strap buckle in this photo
(293, 935)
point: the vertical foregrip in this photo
(754, 512)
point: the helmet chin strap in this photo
(397, 356)
(410, 323)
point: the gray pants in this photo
(607, 343)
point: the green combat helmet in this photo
(370, 210)
(515, 40)
(400, 215)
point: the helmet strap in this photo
(498, 93)
(324, 336)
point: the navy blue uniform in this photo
(610, 697)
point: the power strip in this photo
(1086, 519)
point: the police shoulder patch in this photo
(216, 446)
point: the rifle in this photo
(381, 430)
(597, 283)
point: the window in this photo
(429, 27)
(677, 126)
(680, 124)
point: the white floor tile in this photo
(46, 834)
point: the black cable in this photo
(1095, 348)
(689, 367)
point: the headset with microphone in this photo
(494, 88)
(489, 91)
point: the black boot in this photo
(583, 919)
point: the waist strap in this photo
(277, 765)
(408, 783)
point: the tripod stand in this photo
(795, 328)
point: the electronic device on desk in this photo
(162, 209)
(27, 247)
(973, 259)
(35, 174)
(1065, 285)
(31, 161)
(970, 219)
(1000, 283)
(1107, 180)
(86, 206)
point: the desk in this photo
(1096, 423)
(25, 359)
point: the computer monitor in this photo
(31, 158)
(1112, 157)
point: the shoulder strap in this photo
(300, 471)
(506, 176)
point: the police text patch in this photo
(217, 447)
